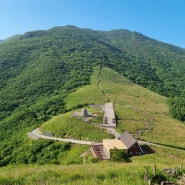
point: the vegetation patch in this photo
(68, 126)
(106, 172)
(118, 155)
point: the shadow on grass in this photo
(146, 149)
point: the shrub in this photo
(118, 155)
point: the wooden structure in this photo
(111, 144)
(124, 142)
(131, 144)
(98, 151)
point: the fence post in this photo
(154, 170)
(149, 182)
(146, 176)
(180, 167)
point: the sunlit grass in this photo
(134, 106)
(133, 103)
(68, 126)
(105, 172)
(90, 94)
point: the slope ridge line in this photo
(98, 84)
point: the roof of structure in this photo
(127, 140)
(113, 143)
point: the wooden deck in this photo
(98, 151)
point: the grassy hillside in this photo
(106, 172)
(138, 110)
(68, 126)
(89, 94)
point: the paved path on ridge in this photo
(113, 131)
(159, 145)
(35, 135)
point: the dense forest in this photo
(177, 107)
(39, 69)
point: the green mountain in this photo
(39, 69)
(159, 65)
(138, 111)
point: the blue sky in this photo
(159, 19)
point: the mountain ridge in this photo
(39, 69)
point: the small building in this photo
(124, 142)
(111, 144)
(131, 144)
